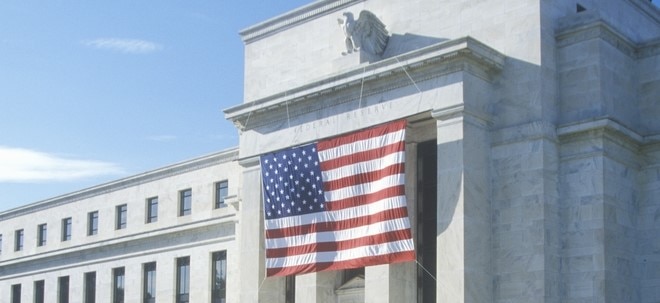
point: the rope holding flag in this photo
(338, 203)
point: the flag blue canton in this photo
(292, 182)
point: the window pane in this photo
(90, 287)
(42, 235)
(16, 293)
(185, 202)
(66, 229)
(63, 289)
(18, 245)
(93, 223)
(183, 280)
(152, 210)
(121, 213)
(221, 192)
(118, 285)
(149, 293)
(39, 291)
(219, 277)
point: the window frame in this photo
(149, 277)
(19, 239)
(89, 289)
(63, 289)
(118, 285)
(93, 223)
(67, 228)
(16, 290)
(121, 216)
(151, 213)
(220, 187)
(182, 294)
(219, 292)
(39, 291)
(42, 234)
(185, 209)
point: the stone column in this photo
(464, 211)
(254, 285)
(316, 287)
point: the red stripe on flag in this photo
(362, 135)
(362, 178)
(386, 237)
(389, 192)
(355, 263)
(367, 155)
(291, 231)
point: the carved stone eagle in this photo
(367, 33)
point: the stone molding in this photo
(525, 132)
(287, 20)
(161, 173)
(590, 26)
(464, 54)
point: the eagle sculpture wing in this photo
(369, 33)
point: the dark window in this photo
(18, 241)
(149, 288)
(219, 277)
(152, 210)
(39, 291)
(426, 220)
(63, 289)
(183, 280)
(290, 289)
(118, 280)
(122, 212)
(92, 223)
(185, 202)
(42, 234)
(349, 274)
(66, 229)
(90, 287)
(16, 293)
(221, 192)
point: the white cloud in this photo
(127, 46)
(19, 165)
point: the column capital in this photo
(453, 113)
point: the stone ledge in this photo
(463, 54)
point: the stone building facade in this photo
(532, 171)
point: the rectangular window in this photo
(183, 280)
(118, 280)
(18, 240)
(121, 213)
(39, 291)
(16, 293)
(185, 202)
(152, 210)
(221, 192)
(66, 229)
(42, 234)
(219, 277)
(92, 223)
(290, 289)
(90, 287)
(63, 289)
(0, 244)
(149, 280)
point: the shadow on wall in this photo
(401, 44)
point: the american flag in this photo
(338, 203)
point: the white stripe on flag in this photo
(341, 235)
(363, 167)
(337, 215)
(362, 145)
(342, 255)
(365, 188)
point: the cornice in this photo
(284, 21)
(463, 54)
(167, 171)
(590, 26)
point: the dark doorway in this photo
(427, 155)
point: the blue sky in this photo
(93, 91)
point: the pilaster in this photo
(464, 211)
